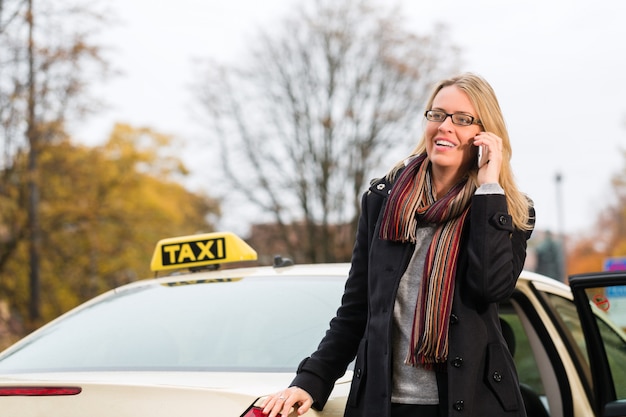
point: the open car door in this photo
(600, 299)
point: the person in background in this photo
(440, 242)
(549, 259)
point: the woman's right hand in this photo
(490, 172)
(282, 402)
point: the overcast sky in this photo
(557, 67)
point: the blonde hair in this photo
(488, 111)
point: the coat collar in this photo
(381, 186)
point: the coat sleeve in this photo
(317, 374)
(496, 249)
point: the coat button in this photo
(358, 373)
(497, 376)
(454, 319)
(459, 405)
(381, 186)
(503, 220)
(457, 362)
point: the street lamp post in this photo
(560, 222)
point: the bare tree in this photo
(46, 62)
(323, 101)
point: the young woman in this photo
(441, 241)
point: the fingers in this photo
(490, 172)
(282, 402)
(491, 141)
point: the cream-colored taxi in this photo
(207, 342)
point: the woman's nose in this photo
(447, 124)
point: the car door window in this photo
(600, 299)
(607, 311)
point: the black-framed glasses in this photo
(460, 119)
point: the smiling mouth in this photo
(444, 143)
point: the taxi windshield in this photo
(259, 324)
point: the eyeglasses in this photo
(460, 119)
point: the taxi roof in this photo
(200, 250)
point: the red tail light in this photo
(38, 391)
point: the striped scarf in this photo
(410, 204)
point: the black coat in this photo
(481, 379)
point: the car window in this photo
(611, 334)
(540, 367)
(525, 362)
(241, 324)
(616, 352)
(608, 310)
(567, 316)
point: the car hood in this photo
(157, 394)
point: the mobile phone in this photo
(482, 155)
(254, 411)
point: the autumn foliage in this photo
(102, 211)
(607, 239)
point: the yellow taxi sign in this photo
(200, 250)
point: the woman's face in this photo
(450, 146)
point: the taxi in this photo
(209, 341)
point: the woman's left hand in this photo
(281, 402)
(489, 172)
